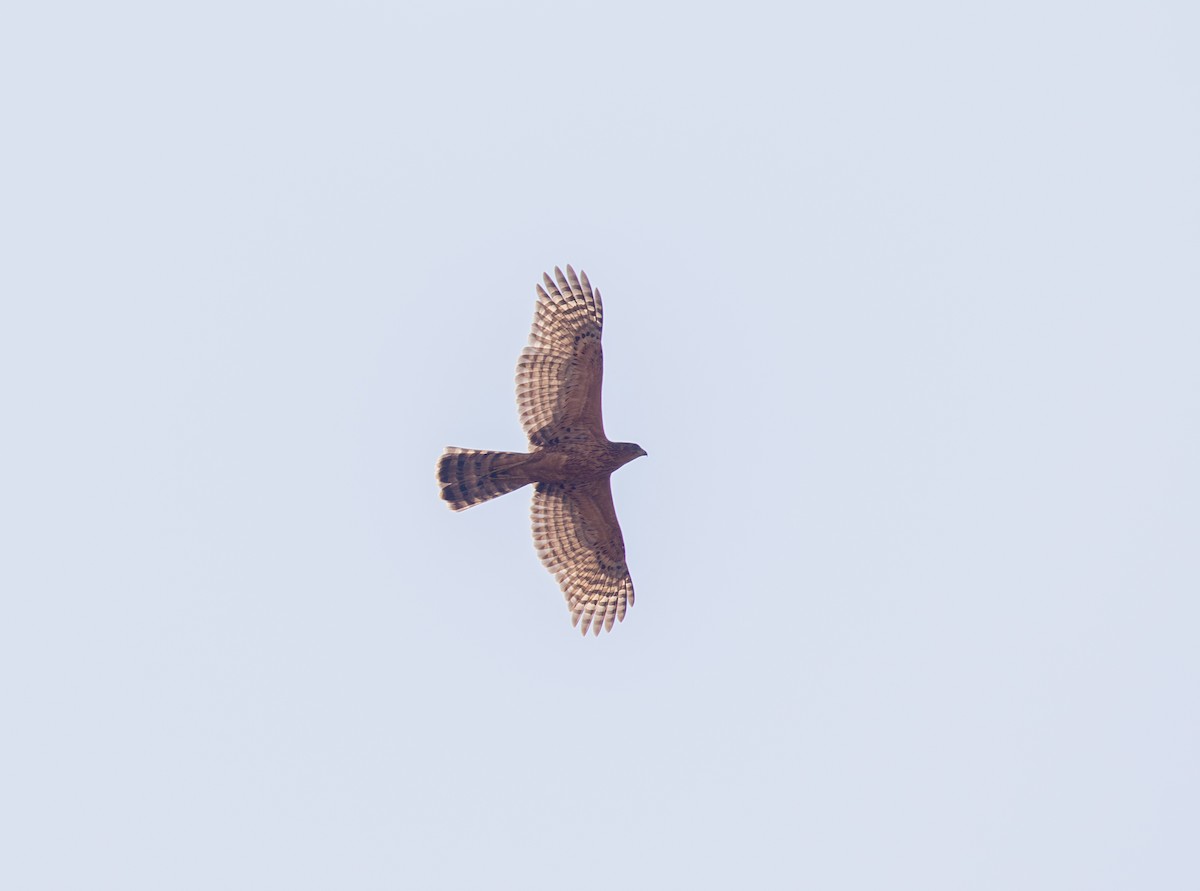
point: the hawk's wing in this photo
(578, 539)
(559, 374)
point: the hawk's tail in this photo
(468, 476)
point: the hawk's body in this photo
(575, 526)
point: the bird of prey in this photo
(570, 459)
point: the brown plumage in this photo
(570, 461)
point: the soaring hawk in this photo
(570, 460)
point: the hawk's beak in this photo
(642, 450)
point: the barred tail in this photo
(468, 477)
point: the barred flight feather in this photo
(588, 564)
(469, 476)
(563, 360)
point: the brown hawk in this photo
(570, 459)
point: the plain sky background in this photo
(901, 299)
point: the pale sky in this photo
(901, 299)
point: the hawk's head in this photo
(629, 450)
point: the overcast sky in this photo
(901, 299)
